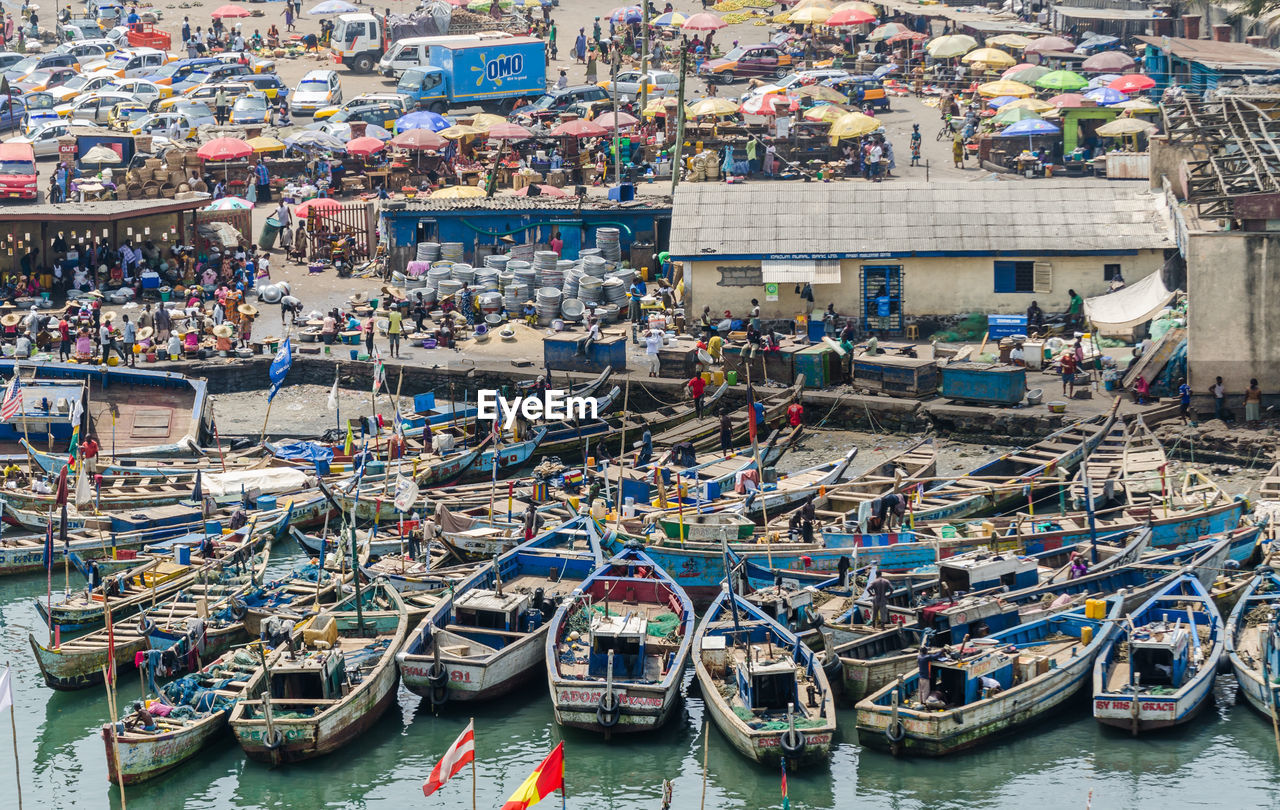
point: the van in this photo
(416, 51)
(18, 171)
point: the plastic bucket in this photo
(355, 354)
(732, 377)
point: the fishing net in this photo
(766, 724)
(663, 625)
(1259, 615)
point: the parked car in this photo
(800, 78)
(44, 139)
(125, 113)
(12, 111)
(251, 109)
(88, 50)
(177, 74)
(270, 85)
(393, 100)
(95, 107)
(82, 83)
(319, 88)
(136, 63)
(555, 102)
(8, 59)
(383, 114)
(40, 108)
(255, 64)
(746, 61)
(661, 83)
(145, 90)
(199, 112)
(862, 90)
(20, 70)
(45, 79)
(162, 124)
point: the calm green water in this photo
(1226, 759)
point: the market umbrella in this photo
(1027, 74)
(660, 106)
(375, 131)
(485, 6)
(1125, 126)
(672, 18)
(457, 193)
(225, 149)
(365, 146)
(419, 139)
(1108, 62)
(315, 139)
(1000, 101)
(266, 143)
(483, 121)
(1102, 80)
(333, 7)
(859, 5)
(626, 14)
(915, 36)
(814, 15)
(1033, 104)
(703, 21)
(578, 128)
(230, 10)
(991, 57)
(229, 204)
(769, 104)
(1137, 106)
(101, 154)
(459, 131)
(819, 92)
(950, 46)
(424, 119)
(316, 204)
(618, 120)
(1133, 83)
(1045, 44)
(813, 4)
(825, 113)
(1029, 127)
(1061, 80)
(507, 131)
(850, 16)
(1066, 100)
(1004, 87)
(883, 32)
(1015, 41)
(1014, 115)
(1105, 96)
(708, 107)
(852, 125)
(543, 191)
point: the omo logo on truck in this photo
(499, 68)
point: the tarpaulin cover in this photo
(279, 479)
(1117, 313)
(304, 451)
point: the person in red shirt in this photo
(1068, 373)
(89, 452)
(795, 414)
(696, 387)
(64, 346)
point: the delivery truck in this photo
(360, 39)
(467, 73)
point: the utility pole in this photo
(613, 89)
(676, 160)
(644, 56)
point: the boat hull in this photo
(765, 747)
(475, 681)
(68, 673)
(143, 759)
(642, 708)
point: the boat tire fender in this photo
(895, 732)
(438, 675)
(439, 695)
(146, 625)
(609, 711)
(239, 610)
(276, 741)
(791, 742)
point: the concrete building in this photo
(897, 254)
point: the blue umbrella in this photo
(333, 7)
(424, 119)
(999, 101)
(884, 70)
(1031, 126)
(627, 14)
(1105, 96)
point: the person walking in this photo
(129, 336)
(1219, 393)
(879, 590)
(652, 343)
(395, 321)
(1068, 374)
(288, 18)
(915, 144)
(1184, 401)
(368, 336)
(697, 386)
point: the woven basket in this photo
(150, 192)
(177, 176)
(153, 163)
(143, 174)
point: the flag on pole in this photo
(379, 373)
(12, 403)
(350, 443)
(333, 394)
(84, 498)
(48, 545)
(459, 754)
(545, 780)
(786, 800)
(280, 368)
(6, 690)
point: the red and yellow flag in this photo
(545, 780)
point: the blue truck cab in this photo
(475, 72)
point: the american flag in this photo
(12, 399)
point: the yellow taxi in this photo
(125, 113)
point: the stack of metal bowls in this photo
(447, 286)
(428, 251)
(514, 295)
(615, 292)
(544, 261)
(590, 290)
(439, 271)
(572, 309)
(548, 304)
(452, 251)
(497, 261)
(609, 242)
(490, 302)
(464, 273)
(486, 279)
(524, 273)
(571, 277)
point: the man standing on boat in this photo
(89, 452)
(879, 589)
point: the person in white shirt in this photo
(874, 160)
(652, 343)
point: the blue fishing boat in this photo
(1253, 642)
(485, 637)
(1163, 674)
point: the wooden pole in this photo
(706, 749)
(263, 437)
(676, 159)
(115, 739)
(473, 766)
(13, 725)
(622, 450)
(222, 460)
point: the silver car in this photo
(319, 88)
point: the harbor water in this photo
(1226, 758)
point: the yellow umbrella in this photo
(1125, 126)
(992, 57)
(813, 4)
(1033, 104)
(819, 92)
(459, 131)
(265, 143)
(1015, 41)
(814, 15)
(1136, 106)
(950, 46)
(485, 121)
(1005, 87)
(457, 193)
(853, 125)
(829, 113)
(661, 106)
(711, 107)
(857, 5)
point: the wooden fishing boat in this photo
(1104, 468)
(1038, 665)
(792, 488)
(704, 433)
(763, 688)
(486, 637)
(312, 701)
(1251, 644)
(478, 534)
(707, 528)
(1163, 674)
(176, 469)
(1269, 494)
(25, 554)
(195, 712)
(1144, 463)
(617, 648)
(568, 438)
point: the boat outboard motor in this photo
(538, 599)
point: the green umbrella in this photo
(1013, 115)
(1026, 75)
(1062, 81)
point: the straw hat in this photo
(359, 297)
(95, 294)
(7, 307)
(12, 319)
(392, 292)
(223, 330)
(145, 333)
(248, 309)
(107, 317)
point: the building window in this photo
(1015, 277)
(1110, 271)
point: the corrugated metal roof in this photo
(1217, 55)
(913, 217)
(512, 202)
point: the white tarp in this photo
(269, 481)
(1119, 312)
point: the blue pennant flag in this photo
(280, 368)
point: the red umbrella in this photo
(703, 22)
(623, 120)
(317, 204)
(1133, 83)
(850, 16)
(915, 36)
(225, 149)
(365, 146)
(1108, 62)
(1066, 100)
(230, 10)
(578, 128)
(419, 139)
(769, 104)
(508, 131)
(543, 191)
(1044, 44)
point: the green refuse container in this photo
(732, 377)
(270, 230)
